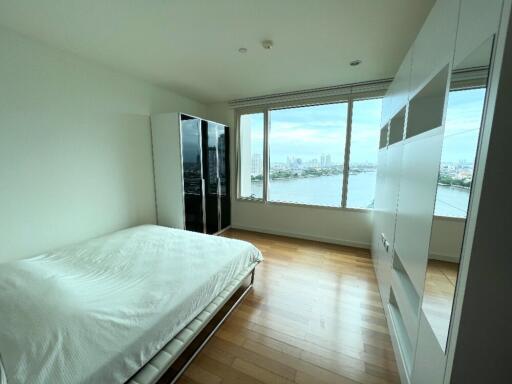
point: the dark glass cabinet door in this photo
(211, 176)
(192, 173)
(224, 191)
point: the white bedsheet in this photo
(96, 312)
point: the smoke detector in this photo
(267, 44)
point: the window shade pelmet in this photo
(313, 94)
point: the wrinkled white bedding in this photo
(96, 312)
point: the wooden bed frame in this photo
(193, 341)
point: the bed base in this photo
(170, 363)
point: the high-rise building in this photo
(325, 160)
(256, 164)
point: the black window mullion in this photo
(266, 158)
(346, 161)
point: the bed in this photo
(116, 309)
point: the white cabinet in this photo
(420, 169)
(165, 132)
(379, 239)
(478, 20)
(401, 86)
(191, 165)
(408, 172)
(398, 92)
(433, 48)
(430, 359)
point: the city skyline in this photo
(307, 150)
(309, 132)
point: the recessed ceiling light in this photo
(267, 44)
(242, 50)
(355, 63)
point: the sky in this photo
(308, 132)
(462, 125)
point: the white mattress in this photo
(96, 312)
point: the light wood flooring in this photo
(313, 316)
(438, 296)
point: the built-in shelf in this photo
(383, 137)
(404, 342)
(405, 303)
(426, 109)
(405, 281)
(396, 127)
(408, 305)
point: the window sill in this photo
(300, 205)
(449, 218)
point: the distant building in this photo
(325, 160)
(313, 163)
(293, 162)
(256, 164)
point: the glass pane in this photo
(192, 176)
(210, 173)
(460, 144)
(224, 180)
(306, 149)
(364, 150)
(463, 118)
(251, 155)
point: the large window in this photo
(310, 160)
(306, 152)
(364, 144)
(462, 127)
(251, 155)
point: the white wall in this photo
(446, 239)
(347, 227)
(75, 149)
(337, 226)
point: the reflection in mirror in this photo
(461, 132)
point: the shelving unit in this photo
(397, 126)
(191, 164)
(411, 140)
(426, 108)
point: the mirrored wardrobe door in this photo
(211, 176)
(224, 182)
(192, 173)
(465, 106)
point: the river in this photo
(326, 191)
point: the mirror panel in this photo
(211, 176)
(460, 142)
(224, 182)
(192, 173)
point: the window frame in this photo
(465, 85)
(238, 156)
(266, 109)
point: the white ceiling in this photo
(192, 46)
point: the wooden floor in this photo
(438, 296)
(314, 316)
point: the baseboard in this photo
(222, 231)
(296, 235)
(448, 258)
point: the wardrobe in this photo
(191, 168)
(459, 49)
